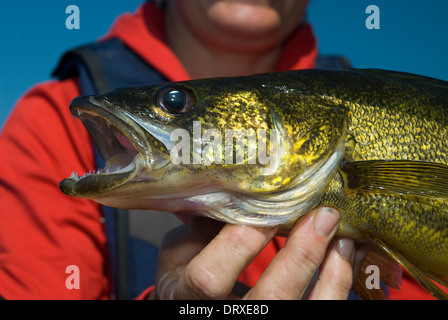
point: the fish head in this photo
(173, 140)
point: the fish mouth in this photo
(119, 141)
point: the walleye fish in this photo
(265, 149)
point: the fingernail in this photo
(346, 248)
(326, 221)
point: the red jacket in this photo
(42, 231)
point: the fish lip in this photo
(119, 141)
(96, 184)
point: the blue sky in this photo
(412, 37)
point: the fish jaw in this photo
(125, 148)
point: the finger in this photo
(214, 271)
(335, 273)
(361, 250)
(293, 267)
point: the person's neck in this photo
(205, 60)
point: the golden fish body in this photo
(372, 144)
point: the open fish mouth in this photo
(119, 141)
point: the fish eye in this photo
(175, 99)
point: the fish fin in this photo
(391, 272)
(422, 81)
(390, 275)
(398, 176)
(438, 278)
(413, 270)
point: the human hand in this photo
(203, 261)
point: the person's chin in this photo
(245, 18)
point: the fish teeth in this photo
(90, 173)
(74, 175)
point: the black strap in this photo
(92, 65)
(122, 231)
(99, 80)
